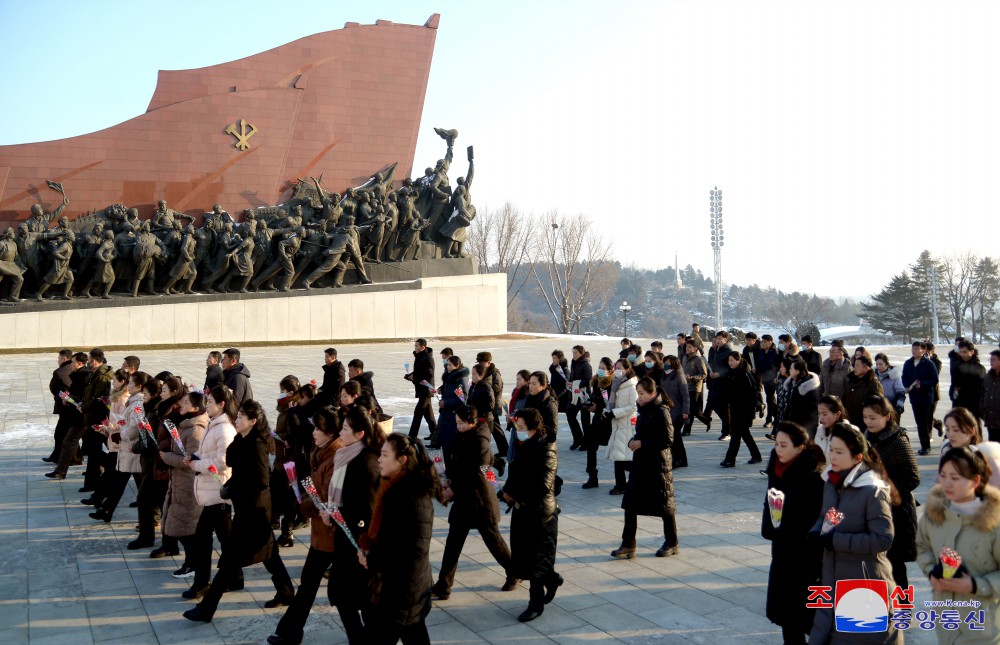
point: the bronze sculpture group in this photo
(314, 234)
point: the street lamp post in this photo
(625, 308)
(715, 208)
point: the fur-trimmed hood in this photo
(891, 374)
(986, 519)
(806, 386)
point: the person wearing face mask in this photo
(674, 386)
(787, 346)
(794, 469)
(858, 487)
(651, 366)
(963, 513)
(127, 465)
(619, 411)
(892, 384)
(650, 488)
(534, 523)
(249, 490)
(744, 399)
(894, 451)
(813, 359)
(516, 403)
(696, 374)
(600, 427)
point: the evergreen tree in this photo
(897, 309)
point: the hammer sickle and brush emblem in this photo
(242, 134)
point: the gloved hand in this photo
(609, 414)
(824, 540)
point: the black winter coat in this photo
(534, 524)
(474, 501)
(558, 381)
(743, 395)
(238, 380)
(547, 406)
(856, 390)
(803, 402)
(70, 414)
(364, 379)
(249, 491)
(650, 489)
(98, 386)
(214, 376)
(813, 359)
(358, 501)
(399, 563)
(494, 379)
(451, 381)
(796, 563)
(481, 397)
(967, 386)
(423, 370)
(990, 405)
(893, 446)
(334, 375)
(60, 382)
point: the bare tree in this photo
(958, 286)
(504, 241)
(791, 311)
(576, 276)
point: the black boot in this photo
(591, 482)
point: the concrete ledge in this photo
(467, 305)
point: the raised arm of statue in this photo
(471, 173)
(319, 189)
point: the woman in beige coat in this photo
(963, 513)
(621, 410)
(181, 510)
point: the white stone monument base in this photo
(470, 305)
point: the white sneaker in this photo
(184, 572)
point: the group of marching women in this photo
(209, 465)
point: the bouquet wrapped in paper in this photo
(950, 562)
(775, 504)
(293, 480)
(310, 488)
(176, 436)
(438, 460)
(68, 400)
(832, 518)
(460, 394)
(429, 387)
(491, 477)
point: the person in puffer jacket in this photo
(620, 410)
(892, 384)
(217, 514)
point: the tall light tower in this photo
(715, 208)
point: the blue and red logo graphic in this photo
(862, 606)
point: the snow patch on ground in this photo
(21, 435)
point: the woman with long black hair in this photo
(249, 491)
(600, 427)
(396, 549)
(744, 398)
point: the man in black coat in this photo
(718, 366)
(967, 379)
(813, 359)
(236, 375)
(59, 382)
(71, 416)
(213, 371)
(356, 372)
(768, 362)
(334, 375)
(423, 372)
(495, 379)
(580, 373)
(94, 413)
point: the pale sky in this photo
(846, 136)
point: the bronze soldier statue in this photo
(10, 265)
(104, 273)
(186, 267)
(60, 272)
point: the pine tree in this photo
(898, 308)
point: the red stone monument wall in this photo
(341, 104)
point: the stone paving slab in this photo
(67, 579)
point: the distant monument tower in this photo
(677, 271)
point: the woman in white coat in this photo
(127, 463)
(217, 514)
(621, 410)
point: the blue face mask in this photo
(632, 358)
(523, 435)
(601, 373)
(649, 365)
(781, 347)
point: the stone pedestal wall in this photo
(469, 305)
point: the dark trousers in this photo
(229, 572)
(574, 424)
(150, 499)
(793, 635)
(677, 450)
(632, 524)
(388, 633)
(770, 388)
(922, 413)
(217, 519)
(621, 479)
(898, 570)
(499, 436)
(741, 433)
(58, 435)
(116, 484)
(423, 411)
(92, 449)
(720, 405)
(457, 533)
(291, 625)
(69, 450)
(697, 403)
(593, 443)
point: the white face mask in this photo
(618, 373)
(781, 347)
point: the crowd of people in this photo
(208, 462)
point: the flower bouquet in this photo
(106, 400)
(491, 477)
(68, 400)
(950, 562)
(338, 517)
(460, 394)
(438, 460)
(429, 387)
(776, 504)
(832, 518)
(293, 480)
(176, 436)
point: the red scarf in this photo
(780, 468)
(376, 521)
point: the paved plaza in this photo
(68, 579)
